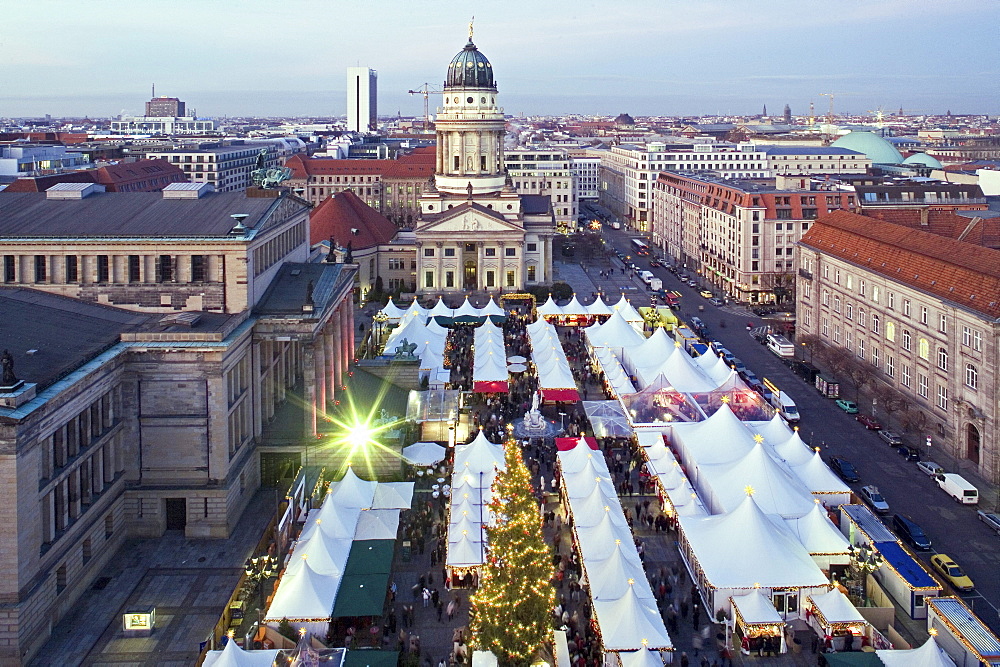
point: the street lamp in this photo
(379, 319)
(865, 560)
(258, 570)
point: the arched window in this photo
(942, 359)
(890, 331)
(924, 349)
(971, 376)
(876, 323)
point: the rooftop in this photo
(348, 219)
(290, 291)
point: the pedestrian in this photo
(684, 659)
(451, 610)
(696, 644)
(427, 599)
(439, 606)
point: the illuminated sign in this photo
(770, 385)
(141, 620)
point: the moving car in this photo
(990, 519)
(907, 529)
(908, 453)
(705, 293)
(692, 283)
(870, 494)
(869, 422)
(653, 263)
(892, 439)
(850, 407)
(930, 468)
(844, 469)
(952, 573)
(715, 301)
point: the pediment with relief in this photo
(471, 221)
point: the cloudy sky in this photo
(288, 57)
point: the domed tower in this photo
(470, 127)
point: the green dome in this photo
(924, 159)
(875, 147)
(470, 69)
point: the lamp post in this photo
(258, 570)
(379, 319)
(865, 560)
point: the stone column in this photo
(438, 268)
(337, 334)
(481, 260)
(319, 376)
(309, 389)
(331, 364)
(502, 250)
(349, 312)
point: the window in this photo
(875, 293)
(449, 252)
(862, 318)
(977, 341)
(890, 366)
(510, 279)
(133, 268)
(428, 252)
(942, 397)
(60, 579)
(849, 340)
(490, 252)
(890, 331)
(510, 252)
(922, 385)
(874, 356)
(942, 361)
(849, 311)
(166, 268)
(490, 279)
(532, 247)
(850, 281)
(876, 323)
(39, 268)
(923, 314)
(966, 336)
(826, 298)
(836, 333)
(971, 376)
(861, 348)
(428, 279)
(87, 550)
(531, 271)
(396, 264)
(449, 278)
(906, 340)
(904, 376)
(836, 303)
(72, 269)
(836, 276)
(906, 307)
(861, 287)
(924, 349)
(890, 299)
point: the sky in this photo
(645, 57)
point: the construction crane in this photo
(425, 90)
(829, 117)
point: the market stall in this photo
(835, 619)
(757, 626)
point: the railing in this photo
(805, 274)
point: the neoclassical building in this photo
(922, 308)
(154, 338)
(475, 232)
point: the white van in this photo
(780, 345)
(646, 276)
(958, 488)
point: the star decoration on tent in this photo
(749, 490)
(725, 399)
(758, 438)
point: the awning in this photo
(561, 395)
(362, 595)
(566, 444)
(369, 556)
(370, 658)
(493, 387)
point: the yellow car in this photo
(952, 573)
(707, 294)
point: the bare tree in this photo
(889, 398)
(861, 373)
(812, 344)
(915, 420)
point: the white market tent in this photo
(614, 373)
(644, 657)
(929, 655)
(791, 450)
(326, 556)
(233, 656)
(628, 312)
(599, 308)
(612, 576)
(616, 334)
(441, 310)
(775, 430)
(771, 556)
(352, 491)
(424, 453)
(755, 608)
(836, 607)
(574, 307)
(723, 485)
(393, 495)
(416, 310)
(333, 520)
(821, 538)
(467, 310)
(392, 312)
(680, 371)
(654, 349)
(549, 309)
(472, 478)
(630, 623)
(491, 308)
(822, 482)
(305, 599)
(377, 525)
(719, 439)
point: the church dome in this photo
(470, 69)
(875, 147)
(924, 159)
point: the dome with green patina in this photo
(875, 147)
(924, 159)
(470, 69)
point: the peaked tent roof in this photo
(657, 347)
(599, 307)
(234, 656)
(378, 525)
(480, 455)
(550, 307)
(392, 311)
(627, 311)
(616, 332)
(305, 596)
(755, 607)
(574, 307)
(770, 554)
(352, 491)
(332, 519)
(326, 556)
(929, 655)
(817, 533)
(791, 450)
(612, 577)
(836, 608)
(775, 430)
(630, 623)
(818, 478)
(776, 491)
(491, 308)
(440, 309)
(644, 657)
(467, 310)
(719, 439)
(395, 495)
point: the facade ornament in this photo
(7, 363)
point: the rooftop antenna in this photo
(154, 90)
(239, 228)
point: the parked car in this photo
(990, 519)
(892, 439)
(738, 366)
(844, 469)
(930, 468)
(850, 407)
(952, 573)
(692, 283)
(907, 529)
(654, 263)
(869, 422)
(870, 494)
(683, 277)
(707, 294)
(908, 453)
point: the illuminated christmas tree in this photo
(511, 611)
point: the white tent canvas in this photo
(755, 607)
(816, 476)
(818, 534)
(440, 309)
(467, 310)
(326, 556)
(393, 495)
(233, 656)
(612, 577)
(574, 307)
(929, 655)
(304, 597)
(480, 455)
(776, 491)
(352, 491)
(491, 308)
(377, 525)
(393, 312)
(466, 551)
(333, 520)
(837, 608)
(631, 623)
(423, 454)
(616, 333)
(549, 308)
(642, 658)
(599, 307)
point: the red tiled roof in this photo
(955, 271)
(343, 212)
(43, 183)
(985, 233)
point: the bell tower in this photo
(470, 127)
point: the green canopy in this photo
(361, 595)
(370, 658)
(853, 659)
(370, 556)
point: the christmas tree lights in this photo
(511, 611)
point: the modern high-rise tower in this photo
(362, 94)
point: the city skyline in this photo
(645, 58)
